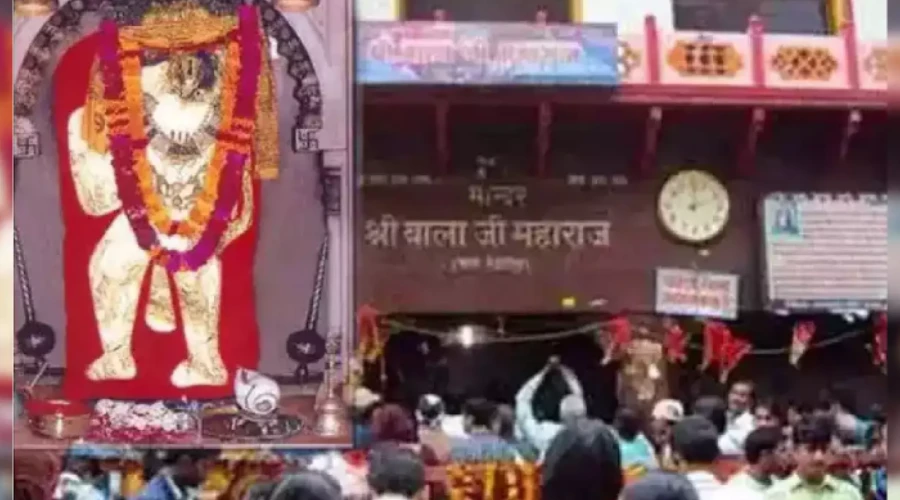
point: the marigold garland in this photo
(492, 481)
(121, 68)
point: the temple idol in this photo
(175, 127)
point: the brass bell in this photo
(296, 5)
(332, 419)
(35, 8)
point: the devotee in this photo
(396, 474)
(763, 450)
(363, 405)
(583, 463)
(849, 427)
(430, 414)
(811, 479)
(391, 423)
(714, 409)
(660, 485)
(768, 413)
(76, 482)
(636, 450)
(695, 450)
(505, 427)
(180, 477)
(741, 399)
(538, 433)
(666, 413)
(306, 485)
(481, 443)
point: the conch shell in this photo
(255, 393)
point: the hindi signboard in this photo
(451, 53)
(826, 252)
(697, 293)
(531, 246)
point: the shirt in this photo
(482, 447)
(794, 488)
(745, 480)
(731, 443)
(710, 488)
(539, 434)
(638, 453)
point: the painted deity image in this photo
(178, 318)
(167, 143)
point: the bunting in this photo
(803, 335)
(370, 341)
(617, 339)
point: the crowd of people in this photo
(738, 447)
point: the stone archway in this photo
(67, 19)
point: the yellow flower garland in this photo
(492, 481)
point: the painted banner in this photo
(826, 252)
(697, 293)
(442, 53)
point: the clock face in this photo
(693, 206)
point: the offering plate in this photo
(232, 424)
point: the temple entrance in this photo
(434, 354)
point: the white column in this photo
(339, 273)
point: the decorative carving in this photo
(305, 140)
(629, 59)
(876, 64)
(797, 62)
(705, 58)
(27, 143)
(67, 19)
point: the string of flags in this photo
(722, 350)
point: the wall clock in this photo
(693, 206)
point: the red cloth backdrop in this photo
(156, 354)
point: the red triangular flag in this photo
(617, 338)
(880, 341)
(714, 334)
(803, 335)
(733, 351)
(675, 343)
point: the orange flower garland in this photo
(492, 481)
(214, 206)
(206, 199)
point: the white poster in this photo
(825, 251)
(696, 293)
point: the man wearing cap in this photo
(666, 413)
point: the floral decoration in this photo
(804, 63)
(120, 60)
(702, 58)
(492, 480)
